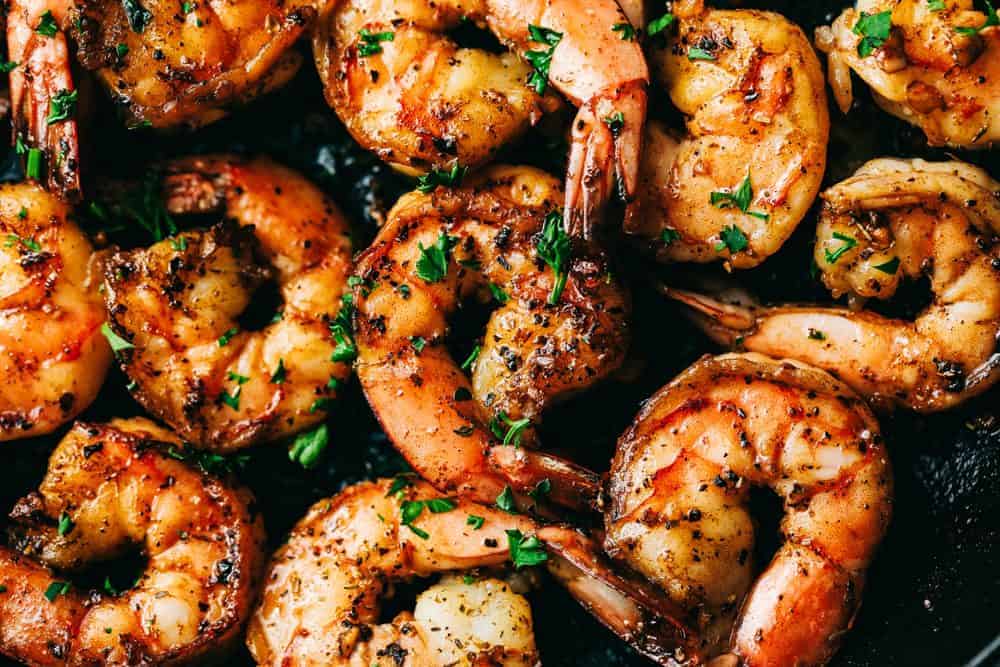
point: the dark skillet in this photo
(932, 593)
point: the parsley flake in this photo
(848, 243)
(626, 30)
(541, 61)
(515, 428)
(732, 239)
(525, 551)
(992, 19)
(553, 247)
(874, 29)
(47, 25)
(432, 266)
(889, 267)
(450, 178)
(371, 42)
(116, 342)
(741, 198)
(308, 447)
(658, 25)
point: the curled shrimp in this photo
(53, 358)
(734, 187)
(165, 64)
(109, 488)
(406, 91)
(937, 68)
(892, 220)
(680, 482)
(321, 600)
(556, 332)
(176, 305)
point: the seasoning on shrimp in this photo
(680, 485)
(893, 220)
(935, 65)
(560, 326)
(408, 92)
(324, 590)
(178, 304)
(111, 487)
(746, 171)
(53, 358)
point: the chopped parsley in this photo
(992, 19)
(498, 293)
(322, 403)
(935, 5)
(873, 29)
(445, 178)
(228, 336)
(541, 61)
(47, 25)
(816, 334)
(371, 42)
(28, 242)
(698, 53)
(475, 521)
(515, 428)
(341, 329)
(279, 374)
(553, 246)
(418, 343)
(400, 482)
(627, 32)
(308, 447)
(668, 236)
(432, 266)
(525, 551)
(7, 66)
(471, 359)
(505, 500)
(658, 25)
(232, 400)
(179, 243)
(615, 122)
(66, 525)
(61, 106)
(732, 239)
(55, 589)
(889, 267)
(848, 243)
(116, 342)
(541, 490)
(33, 164)
(741, 198)
(187, 7)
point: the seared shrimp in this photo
(679, 487)
(893, 219)
(935, 65)
(408, 92)
(557, 331)
(165, 64)
(176, 305)
(321, 600)
(752, 159)
(109, 488)
(53, 358)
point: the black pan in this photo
(931, 596)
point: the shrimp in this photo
(680, 483)
(937, 68)
(734, 187)
(894, 219)
(405, 90)
(53, 358)
(165, 64)
(556, 332)
(175, 305)
(111, 487)
(321, 598)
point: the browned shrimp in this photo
(408, 92)
(109, 488)
(321, 601)
(176, 304)
(562, 325)
(679, 487)
(53, 358)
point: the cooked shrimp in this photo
(734, 187)
(165, 64)
(177, 303)
(321, 600)
(406, 91)
(41, 76)
(936, 68)
(556, 332)
(680, 484)
(53, 358)
(894, 219)
(111, 487)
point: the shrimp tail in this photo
(624, 603)
(723, 321)
(45, 133)
(604, 157)
(572, 486)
